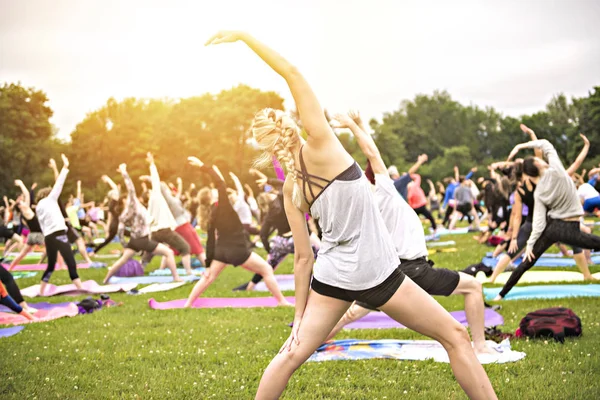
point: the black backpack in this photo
(557, 322)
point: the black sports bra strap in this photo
(309, 179)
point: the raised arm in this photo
(432, 191)
(261, 178)
(25, 192)
(581, 157)
(456, 174)
(52, 165)
(422, 159)
(548, 150)
(79, 191)
(538, 153)
(113, 186)
(364, 140)
(238, 186)
(154, 177)
(60, 181)
(311, 112)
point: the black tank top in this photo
(527, 199)
(34, 224)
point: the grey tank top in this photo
(357, 251)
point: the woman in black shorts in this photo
(232, 245)
(357, 260)
(135, 217)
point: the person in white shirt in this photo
(589, 196)
(54, 229)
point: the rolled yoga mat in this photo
(89, 287)
(219, 302)
(539, 277)
(146, 280)
(441, 244)
(10, 318)
(40, 306)
(380, 320)
(543, 261)
(414, 350)
(23, 274)
(6, 332)
(545, 292)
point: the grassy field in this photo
(133, 352)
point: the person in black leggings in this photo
(114, 210)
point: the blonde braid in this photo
(277, 134)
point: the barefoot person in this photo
(227, 241)
(357, 260)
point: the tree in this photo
(26, 137)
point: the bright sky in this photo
(368, 55)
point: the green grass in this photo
(134, 352)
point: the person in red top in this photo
(417, 198)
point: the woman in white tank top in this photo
(357, 259)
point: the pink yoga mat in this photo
(69, 310)
(219, 302)
(90, 287)
(42, 267)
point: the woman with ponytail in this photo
(357, 260)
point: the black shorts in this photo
(72, 234)
(6, 233)
(464, 208)
(373, 298)
(84, 222)
(172, 239)
(234, 255)
(435, 281)
(142, 244)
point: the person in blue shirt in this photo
(454, 183)
(401, 182)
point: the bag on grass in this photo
(131, 268)
(557, 322)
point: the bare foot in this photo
(485, 349)
(498, 298)
(189, 272)
(178, 279)
(591, 279)
(31, 310)
(27, 315)
(285, 303)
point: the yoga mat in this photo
(442, 244)
(40, 306)
(32, 254)
(539, 277)
(180, 271)
(545, 292)
(145, 280)
(551, 255)
(219, 302)
(23, 274)
(379, 320)
(70, 310)
(413, 350)
(543, 261)
(285, 282)
(436, 251)
(89, 287)
(161, 287)
(6, 332)
(42, 267)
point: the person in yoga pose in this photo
(464, 204)
(52, 224)
(407, 234)
(357, 260)
(163, 222)
(416, 196)
(557, 209)
(589, 196)
(401, 182)
(227, 241)
(241, 207)
(135, 217)
(35, 237)
(8, 301)
(114, 210)
(13, 289)
(8, 230)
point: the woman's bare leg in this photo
(416, 310)
(501, 265)
(582, 264)
(258, 265)
(21, 256)
(169, 259)
(127, 254)
(354, 313)
(208, 277)
(83, 250)
(320, 316)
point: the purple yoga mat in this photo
(39, 306)
(42, 267)
(6, 332)
(379, 320)
(219, 302)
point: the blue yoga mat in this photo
(167, 272)
(6, 332)
(146, 280)
(545, 292)
(543, 261)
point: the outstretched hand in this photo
(52, 163)
(293, 336)
(149, 158)
(355, 115)
(195, 161)
(65, 161)
(422, 158)
(19, 182)
(586, 141)
(344, 120)
(224, 37)
(122, 168)
(526, 129)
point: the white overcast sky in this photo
(369, 55)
